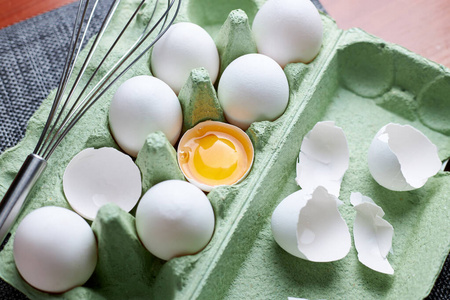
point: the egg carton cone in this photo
(359, 82)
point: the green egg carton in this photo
(358, 81)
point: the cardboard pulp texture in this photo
(358, 81)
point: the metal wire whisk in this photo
(67, 109)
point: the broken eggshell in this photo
(323, 158)
(310, 226)
(372, 234)
(401, 158)
(444, 165)
(95, 177)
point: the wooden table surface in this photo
(13, 11)
(421, 26)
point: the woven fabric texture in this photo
(32, 55)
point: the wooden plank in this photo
(13, 11)
(421, 26)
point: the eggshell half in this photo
(55, 249)
(323, 158)
(401, 158)
(95, 177)
(311, 227)
(372, 234)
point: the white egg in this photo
(55, 249)
(95, 177)
(310, 226)
(288, 31)
(401, 158)
(185, 46)
(174, 218)
(140, 106)
(253, 88)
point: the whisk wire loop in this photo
(55, 133)
(105, 23)
(56, 129)
(63, 79)
(97, 91)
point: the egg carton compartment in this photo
(358, 81)
(364, 85)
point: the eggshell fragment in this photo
(288, 31)
(253, 88)
(174, 218)
(140, 106)
(323, 158)
(444, 165)
(55, 249)
(401, 158)
(185, 46)
(372, 234)
(311, 227)
(95, 177)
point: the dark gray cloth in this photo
(32, 55)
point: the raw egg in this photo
(215, 153)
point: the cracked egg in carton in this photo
(358, 81)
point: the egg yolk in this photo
(215, 153)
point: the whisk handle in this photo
(18, 191)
